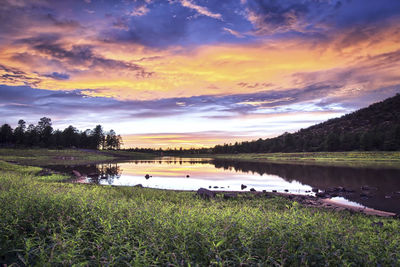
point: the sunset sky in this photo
(195, 73)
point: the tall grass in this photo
(50, 223)
(378, 159)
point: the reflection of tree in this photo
(108, 171)
(324, 177)
(171, 162)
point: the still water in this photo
(368, 187)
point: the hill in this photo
(376, 127)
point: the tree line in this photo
(372, 140)
(43, 135)
(376, 127)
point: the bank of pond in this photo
(376, 188)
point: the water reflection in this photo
(374, 188)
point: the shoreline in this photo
(305, 200)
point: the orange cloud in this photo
(135, 72)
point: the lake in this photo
(368, 187)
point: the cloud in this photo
(200, 10)
(78, 55)
(139, 11)
(10, 75)
(270, 17)
(58, 76)
(185, 140)
(233, 32)
(315, 18)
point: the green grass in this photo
(353, 158)
(45, 157)
(51, 223)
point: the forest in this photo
(43, 135)
(374, 128)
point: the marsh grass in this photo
(51, 223)
(378, 159)
(46, 157)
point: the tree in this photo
(6, 134)
(45, 131)
(32, 136)
(113, 141)
(98, 139)
(85, 138)
(71, 137)
(19, 132)
(332, 142)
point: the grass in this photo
(45, 157)
(354, 158)
(45, 223)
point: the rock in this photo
(93, 175)
(367, 188)
(252, 190)
(44, 172)
(138, 185)
(322, 195)
(378, 224)
(76, 173)
(349, 190)
(230, 195)
(243, 186)
(205, 193)
(315, 190)
(147, 176)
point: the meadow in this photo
(47, 157)
(378, 159)
(45, 222)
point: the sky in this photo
(195, 73)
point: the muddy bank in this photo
(311, 201)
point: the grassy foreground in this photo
(45, 222)
(354, 158)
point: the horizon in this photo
(187, 73)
